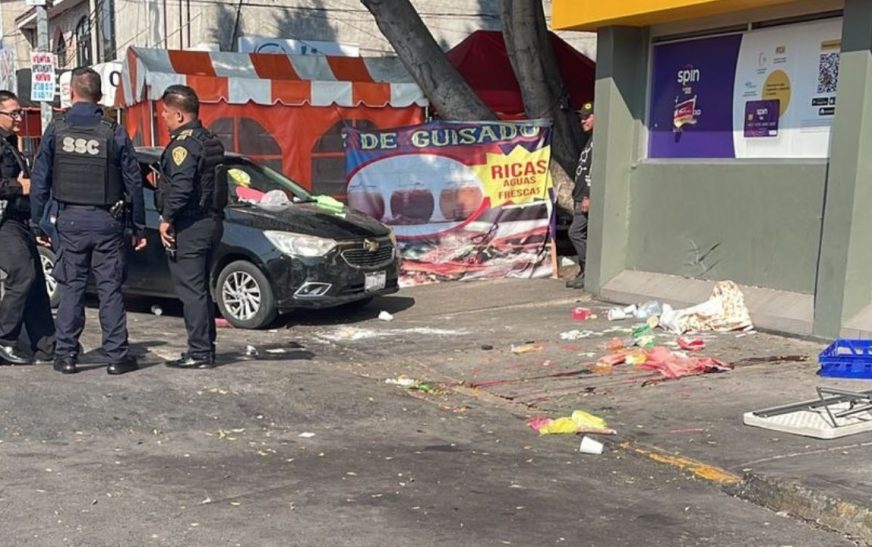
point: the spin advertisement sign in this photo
(465, 200)
(762, 94)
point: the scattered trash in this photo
(652, 308)
(636, 358)
(411, 383)
(615, 344)
(576, 334)
(306, 435)
(222, 323)
(251, 351)
(385, 316)
(581, 314)
(353, 333)
(579, 422)
(526, 348)
(617, 314)
(590, 446)
(487, 347)
(695, 344)
(674, 365)
(724, 311)
(157, 310)
(643, 336)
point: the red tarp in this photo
(482, 60)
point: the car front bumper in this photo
(329, 281)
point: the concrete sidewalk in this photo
(693, 422)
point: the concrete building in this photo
(731, 143)
(95, 31)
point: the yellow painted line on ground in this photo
(698, 468)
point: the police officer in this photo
(581, 197)
(193, 196)
(25, 301)
(88, 165)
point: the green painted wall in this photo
(756, 223)
(845, 275)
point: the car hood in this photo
(307, 219)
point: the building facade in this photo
(731, 144)
(84, 32)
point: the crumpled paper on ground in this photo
(724, 311)
(579, 422)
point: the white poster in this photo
(42, 67)
(784, 98)
(289, 46)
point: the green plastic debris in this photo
(330, 204)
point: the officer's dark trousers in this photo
(91, 241)
(25, 301)
(196, 241)
(578, 235)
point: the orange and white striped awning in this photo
(265, 78)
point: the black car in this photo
(273, 257)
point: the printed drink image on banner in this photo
(465, 200)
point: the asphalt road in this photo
(301, 442)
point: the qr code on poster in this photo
(828, 73)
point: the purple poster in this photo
(761, 118)
(691, 112)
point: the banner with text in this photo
(42, 67)
(768, 93)
(465, 200)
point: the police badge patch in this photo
(179, 155)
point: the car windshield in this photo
(253, 183)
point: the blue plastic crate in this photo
(846, 358)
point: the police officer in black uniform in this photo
(88, 165)
(25, 301)
(193, 194)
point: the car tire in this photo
(244, 296)
(49, 259)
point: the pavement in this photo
(297, 440)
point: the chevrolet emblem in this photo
(370, 245)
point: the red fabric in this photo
(675, 366)
(482, 60)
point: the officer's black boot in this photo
(189, 361)
(66, 365)
(128, 364)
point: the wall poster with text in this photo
(767, 93)
(465, 200)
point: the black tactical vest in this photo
(85, 165)
(213, 187)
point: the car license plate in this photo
(374, 281)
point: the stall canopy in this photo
(285, 110)
(484, 63)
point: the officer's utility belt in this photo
(63, 206)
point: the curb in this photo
(779, 495)
(784, 495)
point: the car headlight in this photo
(299, 245)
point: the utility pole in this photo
(43, 46)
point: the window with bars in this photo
(83, 42)
(106, 31)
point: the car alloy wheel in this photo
(48, 259)
(241, 295)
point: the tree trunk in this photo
(527, 43)
(446, 89)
